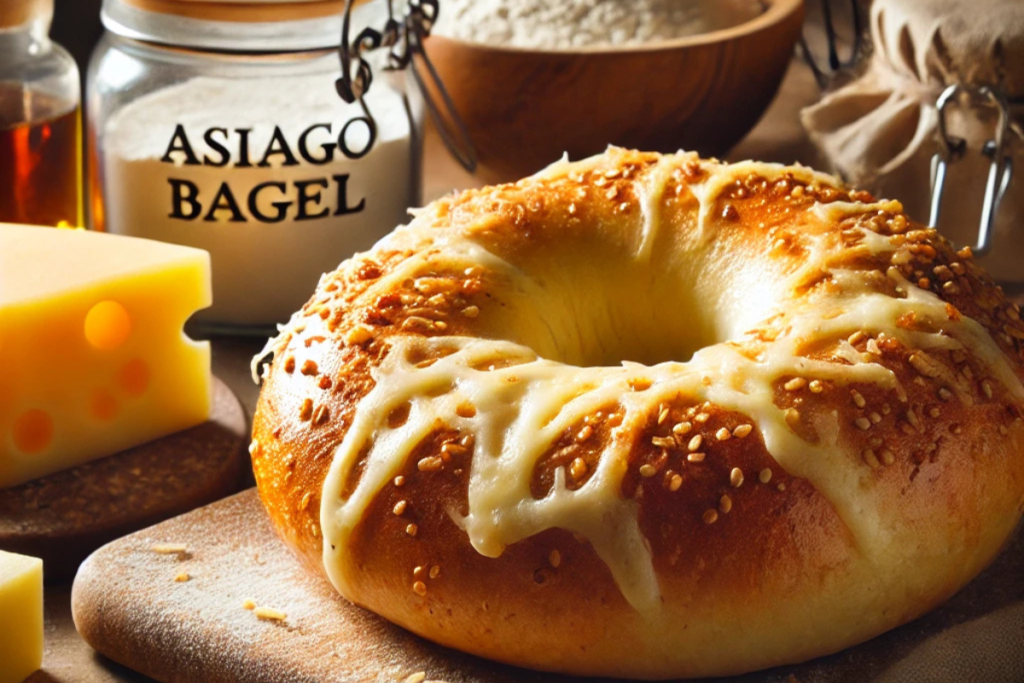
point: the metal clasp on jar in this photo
(1000, 170)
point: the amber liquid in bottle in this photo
(40, 159)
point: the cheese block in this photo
(21, 616)
(93, 359)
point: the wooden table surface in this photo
(777, 137)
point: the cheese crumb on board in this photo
(170, 549)
(269, 614)
(94, 322)
(21, 616)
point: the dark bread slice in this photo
(65, 516)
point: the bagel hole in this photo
(596, 311)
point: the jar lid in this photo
(231, 25)
(19, 12)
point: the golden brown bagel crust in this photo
(755, 567)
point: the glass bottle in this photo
(40, 127)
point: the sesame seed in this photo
(736, 477)
(648, 470)
(399, 481)
(695, 457)
(663, 441)
(358, 335)
(471, 311)
(585, 433)
(429, 464)
(723, 434)
(578, 468)
(572, 209)
(701, 418)
(875, 418)
(792, 417)
(887, 457)
(682, 428)
(306, 410)
(412, 529)
(710, 516)
(781, 486)
(418, 572)
(304, 503)
(725, 504)
(663, 415)
(675, 482)
(764, 476)
(289, 364)
(858, 399)
(862, 423)
(912, 418)
(816, 386)
(399, 508)
(945, 394)
(249, 604)
(743, 430)
(695, 443)
(924, 364)
(795, 384)
(435, 571)
(321, 415)
(986, 388)
(857, 337)
(309, 367)
(933, 412)
(869, 457)
(555, 558)
(419, 588)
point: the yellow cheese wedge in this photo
(93, 359)
(21, 616)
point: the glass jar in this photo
(218, 126)
(40, 122)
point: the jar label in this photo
(276, 178)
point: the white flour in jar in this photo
(251, 170)
(567, 24)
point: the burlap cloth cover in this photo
(880, 130)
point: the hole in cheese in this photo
(33, 431)
(134, 377)
(104, 406)
(107, 325)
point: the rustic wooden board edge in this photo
(127, 606)
(217, 465)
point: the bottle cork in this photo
(15, 13)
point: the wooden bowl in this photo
(524, 108)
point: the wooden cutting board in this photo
(63, 517)
(128, 605)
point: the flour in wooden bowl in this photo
(568, 24)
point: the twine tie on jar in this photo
(953, 148)
(404, 38)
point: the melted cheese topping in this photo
(524, 406)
